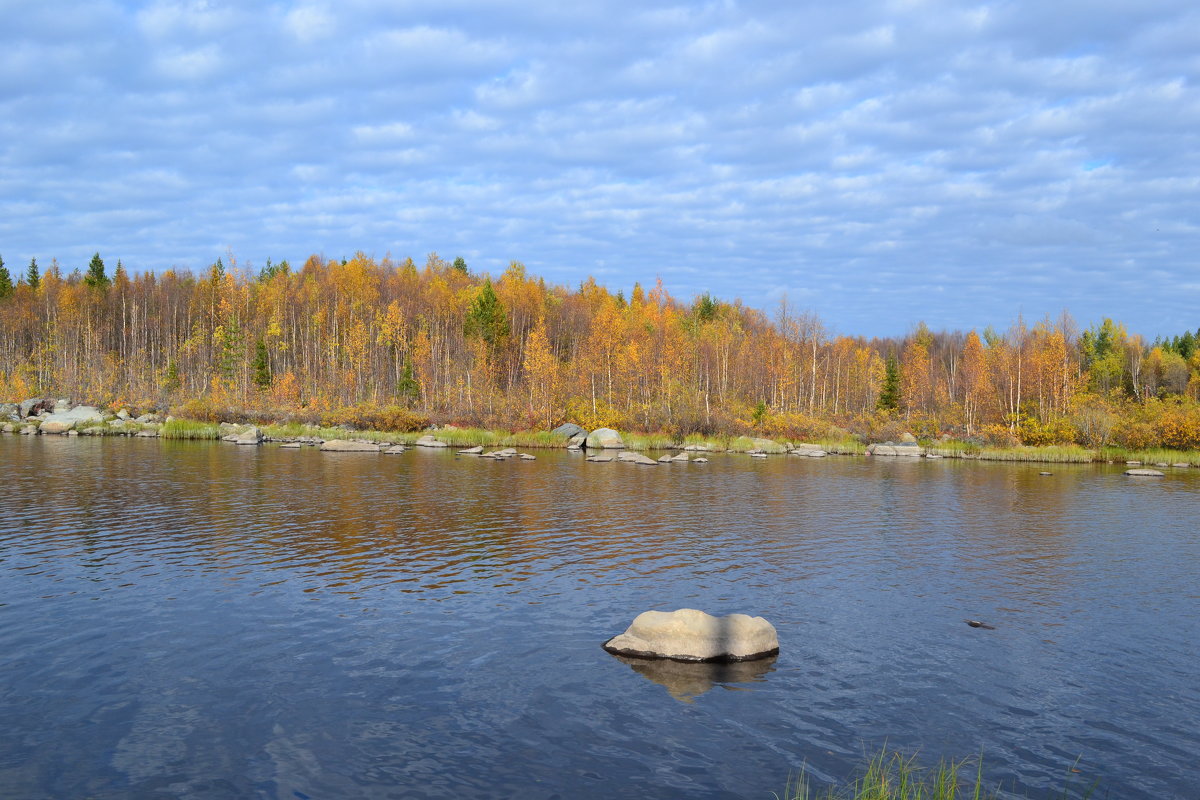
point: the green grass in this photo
(1152, 456)
(1056, 454)
(189, 429)
(891, 776)
(648, 441)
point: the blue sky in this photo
(877, 163)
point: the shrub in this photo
(387, 418)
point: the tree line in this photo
(444, 344)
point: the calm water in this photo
(201, 620)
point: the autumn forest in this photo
(413, 345)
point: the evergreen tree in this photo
(170, 380)
(6, 284)
(33, 277)
(461, 265)
(486, 318)
(261, 367)
(95, 276)
(889, 393)
(407, 387)
(706, 308)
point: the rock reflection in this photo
(687, 680)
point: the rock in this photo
(664, 459)
(9, 428)
(72, 433)
(1143, 473)
(974, 623)
(569, 430)
(252, 435)
(290, 445)
(230, 437)
(698, 448)
(25, 407)
(600, 459)
(123, 414)
(700, 460)
(394, 450)
(145, 418)
(691, 635)
(758, 455)
(768, 446)
(1133, 463)
(1161, 464)
(604, 439)
(527, 457)
(429, 441)
(29, 430)
(61, 422)
(8, 411)
(813, 453)
(471, 451)
(577, 441)
(932, 455)
(94, 430)
(574, 448)
(1045, 473)
(153, 435)
(1180, 464)
(891, 449)
(682, 457)
(348, 446)
(630, 457)
(907, 438)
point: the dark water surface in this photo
(184, 619)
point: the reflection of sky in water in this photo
(206, 620)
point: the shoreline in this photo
(189, 429)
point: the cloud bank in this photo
(877, 163)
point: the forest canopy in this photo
(511, 351)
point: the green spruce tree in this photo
(261, 367)
(95, 276)
(889, 393)
(486, 318)
(33, 277)
(461, 265)
(407, 387)
(6, 284)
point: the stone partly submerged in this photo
(1143, 473)
(909, 449)
(348, 446)
(430, 441)
(604, 439)
(630, 457)
(471, 451)
(691, 635)
(251, 435)
(63, 421)
(687, 680)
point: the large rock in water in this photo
(891, 449)
(429, 441)
(251, 435)
(691, 635)
(604, 439)
(63, 421)
(1134, 473)
(348, 446)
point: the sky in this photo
(874, 163)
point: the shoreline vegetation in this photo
(387, 345)
(182, 428)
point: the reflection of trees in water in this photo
(687, 680)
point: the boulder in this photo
(577, 441)
(348, 446)
(251, 435)
(604, 439)
(291, 445)
(893, 449)
(569, 430)
(703, 447)
(145, 418)
(757, 454)
(664, 459)
(682, 457)
(471, 451)
(527, 457)
(691, 635)
(429, 441)
(700, 460)
(94, 430)
(574, 448)
(1181, 464)
(8, 427)
(154, 434)
(1143, 473)
(907, 438)
(63, 421)
(630, 457)
(394, 450)
(768, 446)
(1133, 463)
(123, 414)
(25, 407)
(29, 430)
(600, 459)
(8, 411)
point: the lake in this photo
(196, 619)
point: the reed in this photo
(1152, 456)
(894, 777)
(189, 429)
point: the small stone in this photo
(291, 445)
(700, 460)
(471, 451)
(758, 455)
(527, 457)
(600, 459)
(348, 446)
(1143, 473)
